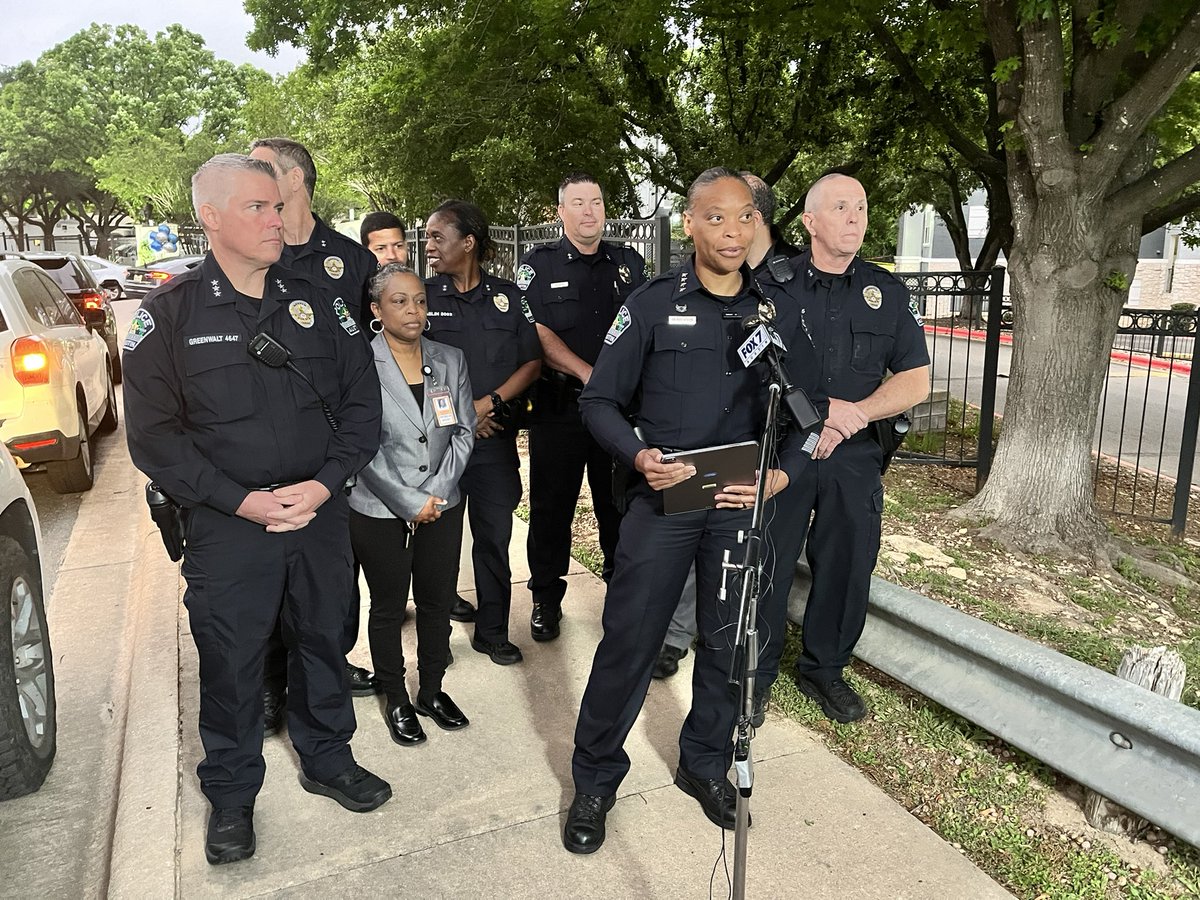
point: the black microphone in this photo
(801, 408)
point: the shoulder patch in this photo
(344, 318)
(527, 311)
(142, 325)
(620, 323)
(916, 313)
(525, 276)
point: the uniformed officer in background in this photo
(573, 288)
(481, 315)
(676, 342)
(344, 268)
(857, 324)
(383, 234)
(248, 451)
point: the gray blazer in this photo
(416, 458)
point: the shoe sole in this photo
(810, 691)
(365, 692)
(454, 618)
(428, 713)
(542, 638)
(684, 785)
(353, 805)
(416, 743)
(499, 662)
(584, 849)
(231, 856)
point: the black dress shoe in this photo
(444, 712)
(717, 796)
(230, 835)
(503, 653)
(667, 663)
(762, 699)
(584, 831)
(354, 787)
(274, 707)
(404, 725)
(462, 611)
(362, 682)
(837, 699)
(543, 623)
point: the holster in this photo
(889, 434)
(623, 478)
(168, 516)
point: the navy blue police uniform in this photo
(209, 424)
(852, 329)
(674, 344)
(488, 325)
(576, 296)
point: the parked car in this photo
(141, 281)
(111, 275)
(28, 722)
(56, 381)
(82, 288)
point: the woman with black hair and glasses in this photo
(406, 510)
(482, 316)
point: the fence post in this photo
(662, 246)
(420, 249)
(991, 366)
(1187, 450)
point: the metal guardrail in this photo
(1123, 741)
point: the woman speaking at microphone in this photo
(406, 514)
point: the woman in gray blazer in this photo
(406, 514)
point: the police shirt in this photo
(343, 266)
(576, 295)
(855, 327)
(486, 324)
(209, 422)
(678, 343)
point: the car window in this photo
(69, 315)
(39, 302)
(65, 274)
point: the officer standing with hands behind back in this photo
(573, 289)
(249, 451)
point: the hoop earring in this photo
(372, 325)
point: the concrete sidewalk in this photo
(478, 813)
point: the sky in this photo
(31, 28)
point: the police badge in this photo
(501, 302)
(873, 296)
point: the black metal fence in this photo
(650, 237)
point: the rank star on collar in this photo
(216, 287)
(279, 284)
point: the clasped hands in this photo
(288, 508)
(843, 421)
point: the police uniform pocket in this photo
(219, 386)
(684, 358)
(561, 309)
(873, 340)
(500, 338)
(315, 359)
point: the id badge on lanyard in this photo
(443, 407)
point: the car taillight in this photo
(31, 361)
(92, 299)
(159, 276)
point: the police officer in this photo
(344, 269)
(248, 451)
(573, 289)
(675, 342)
(481, 315)
(769, 259)
(857, 323)
(383, 234)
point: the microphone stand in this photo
(745, 652)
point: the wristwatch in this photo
(496, 401)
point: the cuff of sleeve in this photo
(793, 460)
(228, 498)
(333, 476)
(629, 448)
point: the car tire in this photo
(111, 415)
(28, 730)
(116, 367)
(71, 476)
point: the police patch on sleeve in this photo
(916, 313)
(527, 311)
(142, 325)
(525, 276)
(344, 318)
(620, 323)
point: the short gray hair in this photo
(210, 184)
(291, 155)
(380, 279)
(810, 197)
(707, 177)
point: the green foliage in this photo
(1006, 69)
(1117, 281)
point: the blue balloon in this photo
(155, 245)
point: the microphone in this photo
(764, 342)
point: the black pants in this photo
(559, 454)
(241, 581)
(843, 498)
(653, 557)
(491, 486)
(275, 668)
(391, 559)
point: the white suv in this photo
(27, 708)
(56, 385)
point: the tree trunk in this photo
(1067, 266)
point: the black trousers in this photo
(391, 560)
(842, 498)
(653, 557)
(491, 487)
(559, 454)
(241, 581)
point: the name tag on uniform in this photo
(559, 284)
(443, 406)
(681, 320)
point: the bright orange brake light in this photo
(31, 361)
